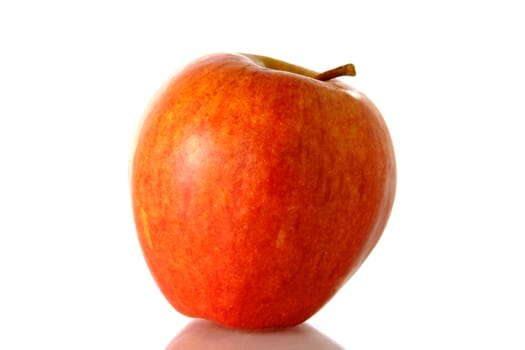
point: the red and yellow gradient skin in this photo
(258, 192)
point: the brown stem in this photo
(347, 69)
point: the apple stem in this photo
(347, 69)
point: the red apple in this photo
(258, 188)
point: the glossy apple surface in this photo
(257, 189)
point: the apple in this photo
(258, 188)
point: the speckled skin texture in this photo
(256, 192)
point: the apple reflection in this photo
(200, 334)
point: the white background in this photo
(448, 77)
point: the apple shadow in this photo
(201, 334)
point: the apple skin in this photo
(258, 192)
